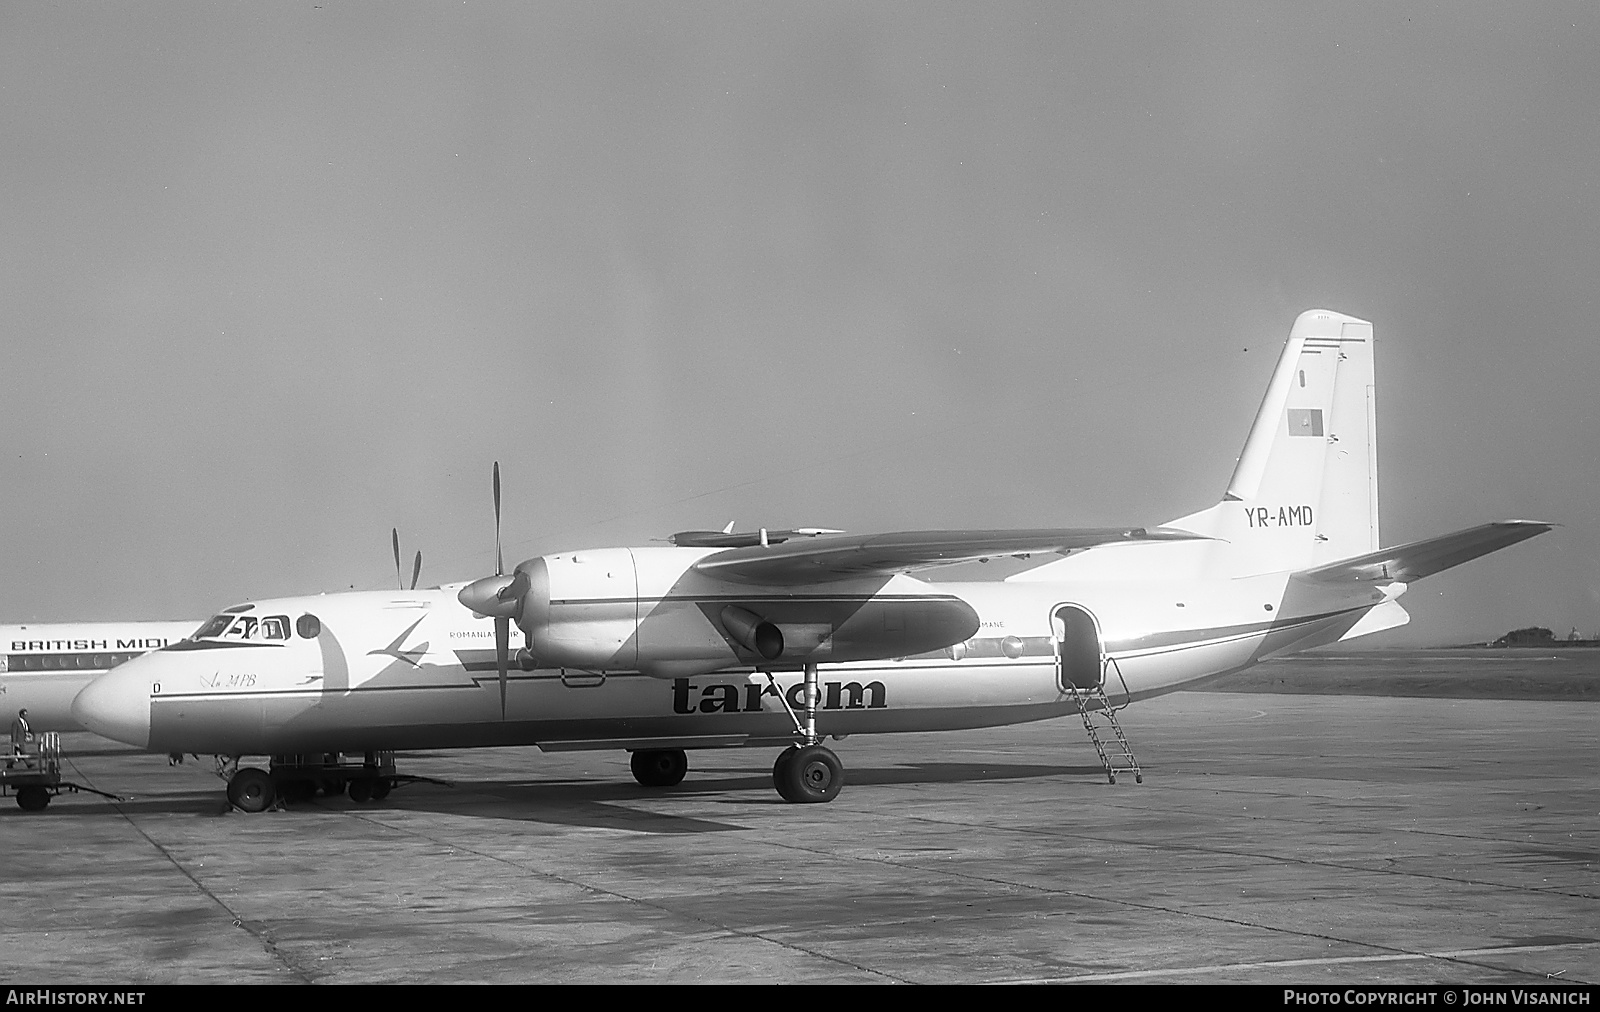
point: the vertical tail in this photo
(1305, 490)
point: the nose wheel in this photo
(251, 790)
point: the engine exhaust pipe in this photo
(753, 632)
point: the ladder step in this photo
(1118, 757)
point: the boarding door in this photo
(1080, 660)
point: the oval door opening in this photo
(1079, 659)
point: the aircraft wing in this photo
(1406, 563)
(825, 559)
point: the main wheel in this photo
(251, 790)
(659, 767)
(381, 788)
(32, 798)
(781, 778)
(809, 775)
(360, 789)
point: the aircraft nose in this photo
(117, 705)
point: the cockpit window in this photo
(213, 628)
(245, 629)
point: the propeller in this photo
(502, 623)
(416, 567)
(497, 597)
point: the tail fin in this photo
(1305, 489)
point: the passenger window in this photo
(308, 626)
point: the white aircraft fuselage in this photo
(414, 670)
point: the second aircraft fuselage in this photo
(43, 666)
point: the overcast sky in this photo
(275, 278)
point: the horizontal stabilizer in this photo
(1388, 615)
(1406, 563)
(826, 559)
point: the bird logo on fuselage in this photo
(412, 656)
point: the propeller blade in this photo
(395, 533)
(502, 649)
(416, 571)
(499, 561)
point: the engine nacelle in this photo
(752, 632)
(647, 609)
(581, 610)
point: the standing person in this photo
(20, 733)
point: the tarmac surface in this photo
(1276, 839)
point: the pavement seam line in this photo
(1196, 848)
(951, 873)
(1324, 797)
(1273, 964)
(1282, 860)
(261, 935)
(655, 905)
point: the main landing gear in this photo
(806, 773)
(659, 767)
(298, 778)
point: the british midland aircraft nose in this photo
(117, 705)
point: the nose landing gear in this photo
(250, 790)
(299, 778)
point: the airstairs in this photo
(32, 771)
(1099, 717)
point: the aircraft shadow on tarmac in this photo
(600, 803)
(580, 802)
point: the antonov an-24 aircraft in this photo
(783, 639)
